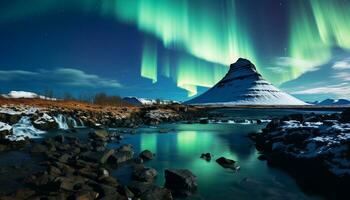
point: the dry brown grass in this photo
(67, 104)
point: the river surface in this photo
(182, 146)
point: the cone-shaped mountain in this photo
(243, 85)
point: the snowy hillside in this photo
(243, 85)
(26, 95)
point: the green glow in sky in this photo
(315, 33)
(332, 19)
(206, 33)
(191, 73)
(198, 28)
(149, 60)
(304, 40)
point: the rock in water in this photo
(226, 163)
(147, 155)
(206, 156)
(99, 134)
(243, 85)
(144, 174)
(181, 182)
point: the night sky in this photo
(173, 49)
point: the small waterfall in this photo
(24, 128)
(72, 122)
(61, 121)
(81, 123)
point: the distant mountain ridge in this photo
(243, 85)
(138, 101)
(332, 102)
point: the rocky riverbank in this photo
(75, 169)
(19, 122)
(314, 148)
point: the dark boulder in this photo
(144, 174)
(45, 122)
(101, 157)
(121, 157)
(148, 191)
(146, 155)
(297, 137)
(100, 134)
(10, 118)
(181, 182)
(226, 163)
(206, 156)
(126, 147)
(273, 124)
(345, 116)
(204, 121)
(157, 193)
(86, 195)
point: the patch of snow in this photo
(9, 111)
(5, 127)
(22, 94)
(31, 111)
(43, 119)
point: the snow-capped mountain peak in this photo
(243, 85)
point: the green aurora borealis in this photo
(314, 34)
(316, 26)
(202, 37)
(190, 26)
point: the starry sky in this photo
(173, 49)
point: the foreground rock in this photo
(144, 174)
(147, 155)
(45, 122)
(101, 134)
(181, 182)
(314, 148)
(206, 156)
(149, 191)
(74, 170)
(227, 163)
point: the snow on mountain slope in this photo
(243, 85)
(26, 95)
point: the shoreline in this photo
(312, 148)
